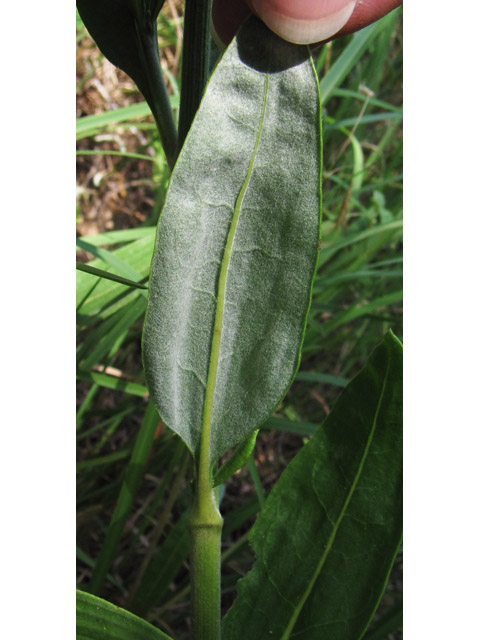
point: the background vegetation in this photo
(140, 537)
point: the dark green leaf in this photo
(113, 24)
(327, 536)
(237, 245)
(97, 619)
(126, 33)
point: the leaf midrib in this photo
(331, 540)
(204, 453)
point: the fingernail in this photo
(304, 21)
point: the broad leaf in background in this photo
(97, 619)
(126, 33)
(327, 536)
(237, 245)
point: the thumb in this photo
(300, 21)
(304, 21)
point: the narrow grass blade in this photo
(252, 469)
(110, 258)
(163, 517)
(86, 559)
(359, 275)
(165, 565)
(324, 378)
(329, 249)
(109, 276)
(348, 58)
(361, 310)
(133, 476)
(101, 298)
(358, 165)
(333, 125)
(291, 426)
(86, 404)
(119, 236)
(108, 342)
(112, 382)
(102, 461)
(348, 93)
(105, 423)
(111, 152)
(91, 125)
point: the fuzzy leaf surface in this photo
(237, 245)
(329, 531)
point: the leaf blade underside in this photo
(237, 246)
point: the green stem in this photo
(159, 100)
(180, 595)
(195, 61)
(205, 522)
(205, 527)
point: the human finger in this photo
(301, 21)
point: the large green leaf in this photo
(97, 619)
(327, 536)
(237, 245)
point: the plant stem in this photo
(195, 61)
(205, 522)
(205, 527)
(159, 101)
(180, 595)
